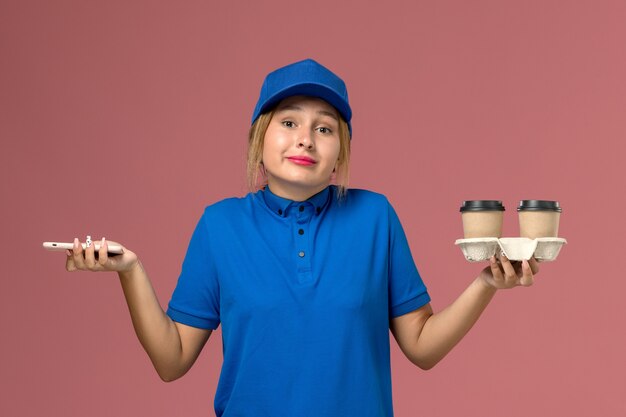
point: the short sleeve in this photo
(195, 301)
(407, 291)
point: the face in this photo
(301, 147)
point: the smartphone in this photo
(61, 246)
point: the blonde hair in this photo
(256, 172)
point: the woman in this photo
(305, 277)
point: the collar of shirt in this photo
(281, 206)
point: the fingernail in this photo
(67, 251)
(103, 240)
(75, 243)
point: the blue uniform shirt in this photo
(304, 292)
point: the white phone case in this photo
(62, 246)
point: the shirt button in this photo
(301, 254)
(300, 232)
(280, 211)
(301, 208)
(318, 210)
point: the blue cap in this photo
(304, 78)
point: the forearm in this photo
(157, 333)
(443, 330)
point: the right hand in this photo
(85, 260)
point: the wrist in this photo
(485, 284)
(132, 271)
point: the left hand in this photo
(504, 274)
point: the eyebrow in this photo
(297, 108)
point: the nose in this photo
(305, 141)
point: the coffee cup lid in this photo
(482, 205)
(539, 205)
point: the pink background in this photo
(126, 118)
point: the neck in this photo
(294, 193)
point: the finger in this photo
(527, 274)
(510, 277)
(534, 265)
(90, 258)
(103, 256)
(79, 260)
(495, 270)
(69, 261)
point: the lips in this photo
(302, 160)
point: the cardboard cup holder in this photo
(543, 249)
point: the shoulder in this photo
(366, 203)
(228, 208)
(360, 198)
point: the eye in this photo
(324, 130)
(288, 123)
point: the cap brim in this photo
(311, 90)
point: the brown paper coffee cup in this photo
(539, 218)
(482, 218)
